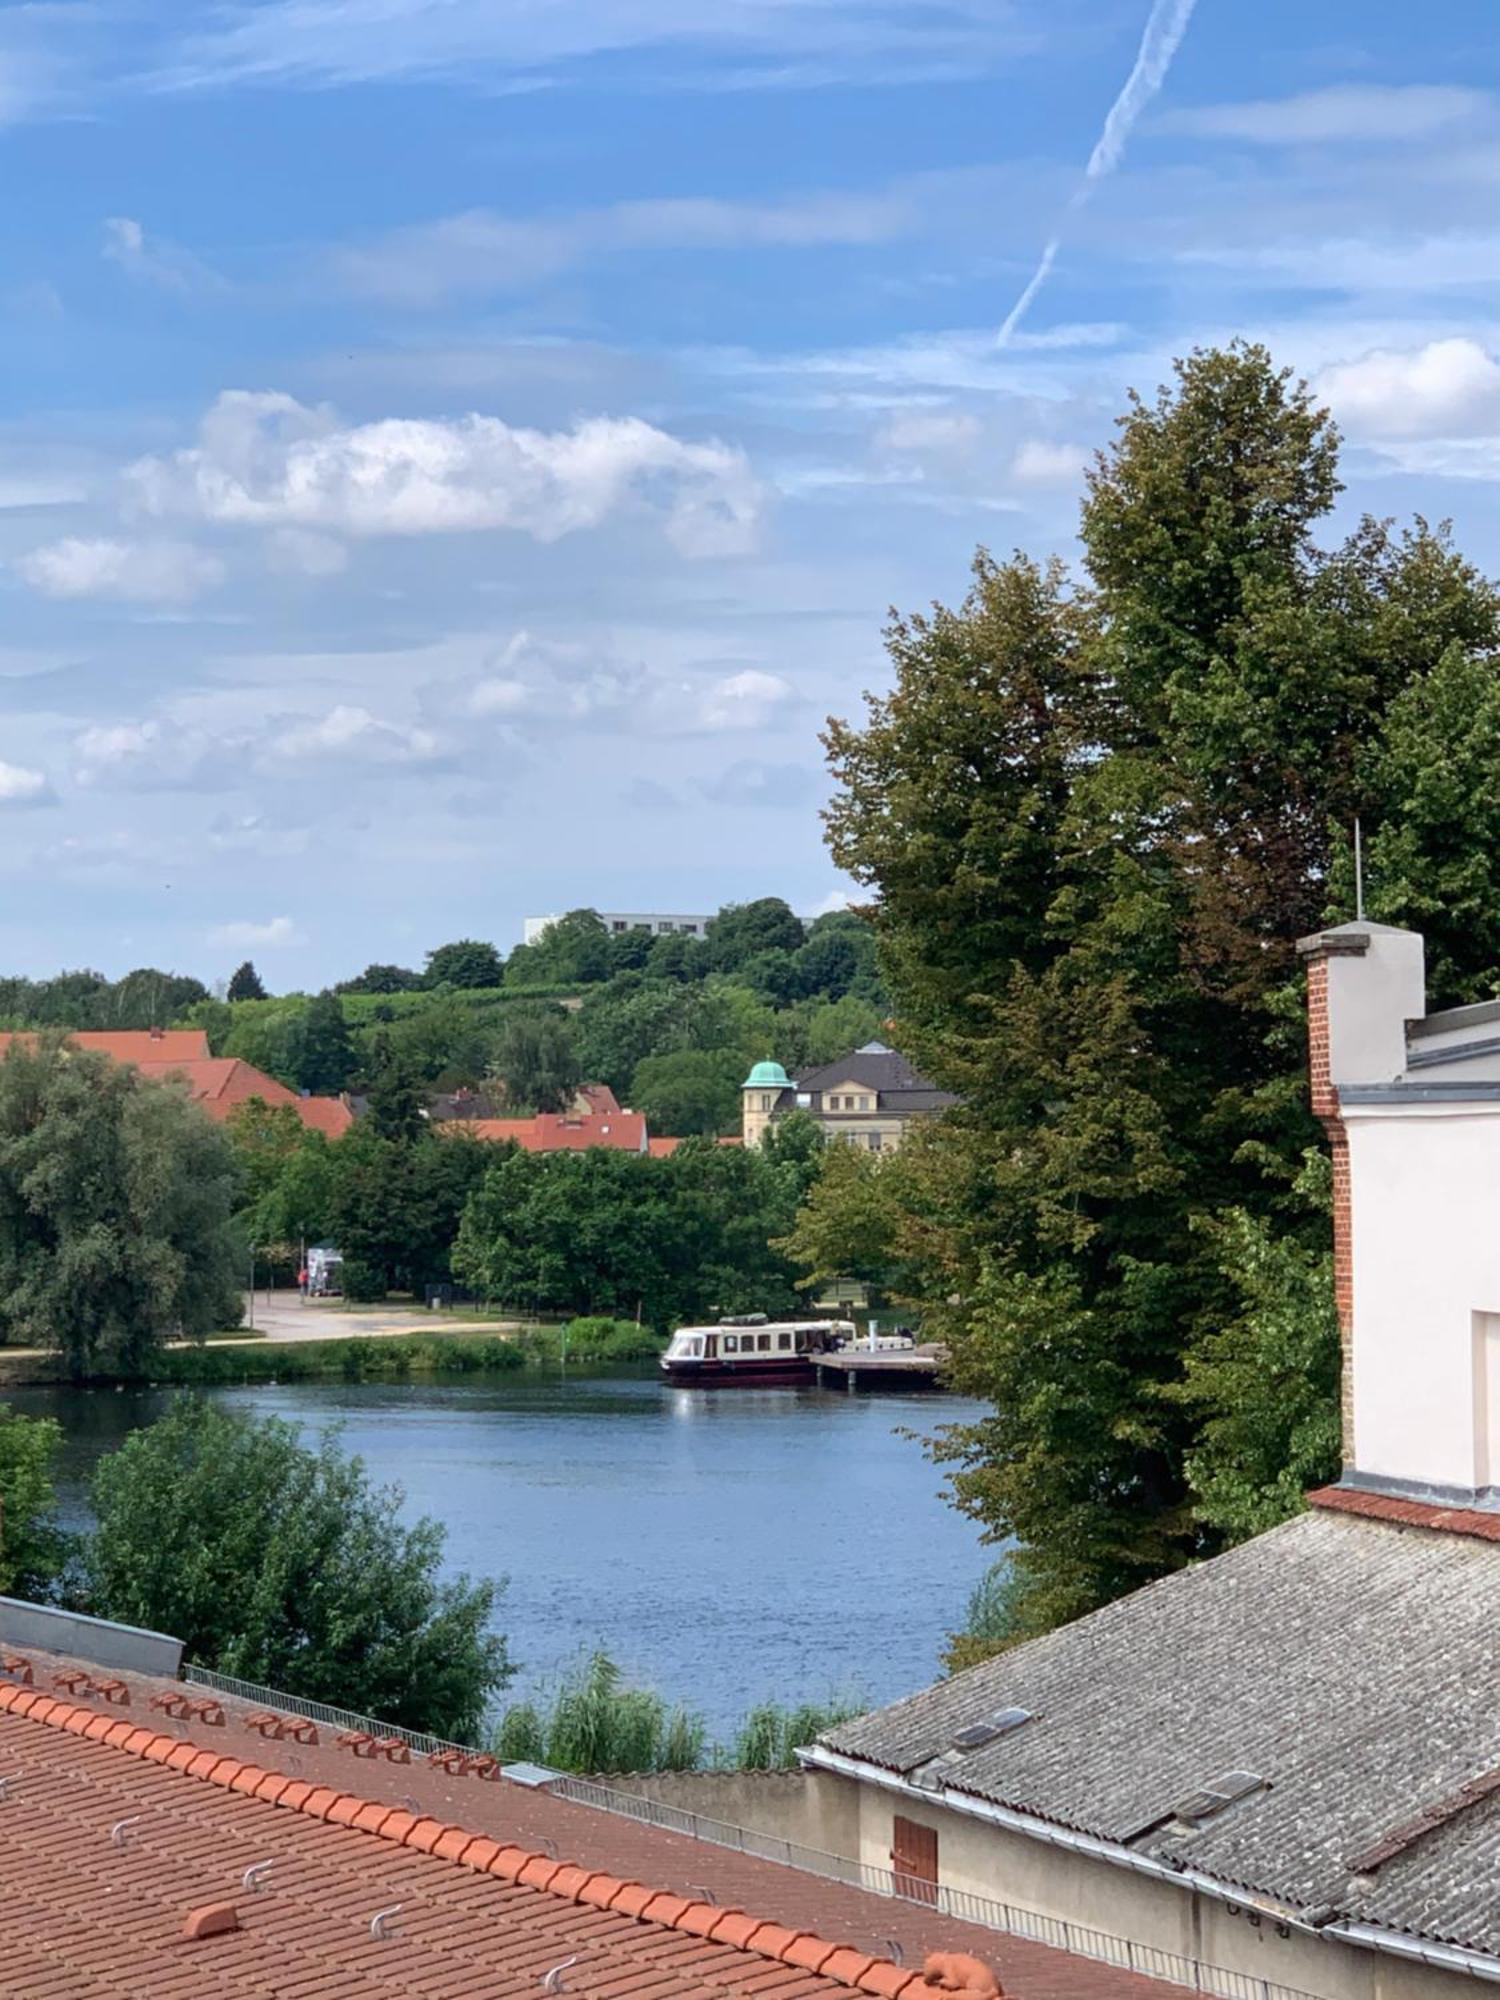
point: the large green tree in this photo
(394, 1205)
(536, 1059)
(467, 962)
(1095, 816)
(115, 1203)
(323, 1052)
(280, 1563)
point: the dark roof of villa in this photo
(1336, 1674)
(877, 1068)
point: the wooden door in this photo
(914, 1859)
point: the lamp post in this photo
(252, 1288)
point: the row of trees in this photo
(1094, 814)
(588, 1232)
(677, 1049)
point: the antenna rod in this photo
(1359, 874)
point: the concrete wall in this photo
(126, 1648)
(786, 1804)
(1424, 1195)
(985, 1860)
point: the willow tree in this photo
(1095, 815)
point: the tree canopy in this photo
(467, 962)
(115, 1202)
(279, 1563)
(245, 983)
(1096, 815)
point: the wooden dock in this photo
(855, 1368)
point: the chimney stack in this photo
(1364, 983)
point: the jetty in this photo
(856, 1368)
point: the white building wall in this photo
(1425, 1201)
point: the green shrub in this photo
(769, 1736)
(592, 1339)
(596, 1723)
(363, 1284)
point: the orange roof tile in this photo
(621, 1131)
(135, 1863)
(137, 1045)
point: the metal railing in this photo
(319, 1711)
(1082, 1940)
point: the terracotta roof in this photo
(220, 1083)
(621, 1131)
(133, 1045)
(138, 1862)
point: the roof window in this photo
(1001, 1723)
(1218, 1793)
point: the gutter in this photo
(1370, 1937)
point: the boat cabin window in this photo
(731, 1343)
(763, 1342)
(711, 1346)
(783, 1340)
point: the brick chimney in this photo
(1364, 983)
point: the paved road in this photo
(285, 1316)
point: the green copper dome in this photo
(768, 1076)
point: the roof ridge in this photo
(569, 1881)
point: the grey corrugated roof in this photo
(1350, 1663)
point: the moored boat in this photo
(752, 1349)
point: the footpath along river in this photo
(726, 1546)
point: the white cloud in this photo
(1350, 113)
(149, 756)
(782, 41)
(484, 251)
(150, 572)
(154, 261)
(747, 700)
(275, 931)
(22, 787)
(264, 459)
(943, 431)
(1449, 388)
(300, 552)
(352, 734)
(1040, 463)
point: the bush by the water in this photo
(282, 1564)
(593, 1338)
(380, 1359)
(596, 1723)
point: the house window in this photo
(617, 926)
(864, 1104)
(765, 1102)
(876, 1142)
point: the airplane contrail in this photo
(1160, 41)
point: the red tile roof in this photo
(621, 1131)
(137, 1862)
(220, 1083)
(133, 1045)
(1407, 1513)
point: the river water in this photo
(726, 1547)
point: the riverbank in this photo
(375, 1355)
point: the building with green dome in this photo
(867, 1098)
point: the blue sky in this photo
(453, 453)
